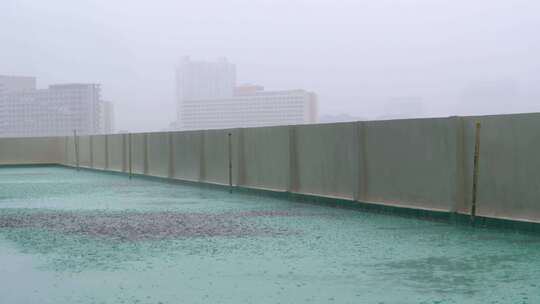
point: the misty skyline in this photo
(358, 56)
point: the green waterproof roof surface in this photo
(93, 237)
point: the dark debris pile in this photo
(133, 226)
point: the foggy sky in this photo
(361, 57)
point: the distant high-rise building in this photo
(259, 108)
(9, 84)
(81, 105)
(204, 80)
(208, 98)
(58, 110)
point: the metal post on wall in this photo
(292, 182)
(129, 154)
(230, 163)
(76, 143)
(475, 171)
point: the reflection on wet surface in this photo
(89, 237)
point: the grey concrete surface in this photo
(509, 171)
(116, 152)
(98, 151)
(84, 151)
(158, 154)
(265, 156)
(32, 150)
(188, 153)
(216, 156)
(138, 153)
(412, 162)
(325, 159)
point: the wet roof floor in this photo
(94, 237)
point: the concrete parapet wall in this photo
(158, 154)
(326, 159)
(188, 155)
(216, 156)
(256, 147)
(30, 150)
(413, 163)
(69, 151)
(98, 151)
(117, 152)
(138, 147)
(85, 155)
(509, 167)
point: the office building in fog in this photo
(57, 110)
(208, 98)
(204, 80)
(251, 109)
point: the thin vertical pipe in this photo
(293, 180)
(475, 171)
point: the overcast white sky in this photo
(361, 57)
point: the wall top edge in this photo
(491, 116)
